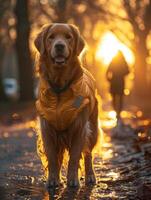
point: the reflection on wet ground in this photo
(122, 165)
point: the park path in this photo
(122, 164)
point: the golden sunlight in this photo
(109, 46)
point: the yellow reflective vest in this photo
(61, 112)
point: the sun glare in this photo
(108, 48)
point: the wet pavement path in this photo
(123, 170)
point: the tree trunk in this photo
(61, 10)
(141, 52)
(23, 53)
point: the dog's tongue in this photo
(59, 59)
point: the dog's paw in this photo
(74, 183)
(90, 179)
(52, 183)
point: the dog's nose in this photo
(59, 47)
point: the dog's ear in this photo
(40, 39)
(79, 41)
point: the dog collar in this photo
(59, 90)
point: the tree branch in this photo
(43, 10)
(131, 15)
(147, 17)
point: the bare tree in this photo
(23, 52)
(140, 19)
(138, 14)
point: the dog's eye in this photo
(51, 37)
(68, 37)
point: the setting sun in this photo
(109, 46)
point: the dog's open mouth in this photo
(60, 60)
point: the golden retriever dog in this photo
(66, 104)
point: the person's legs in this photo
(114, 101)
(119, 103)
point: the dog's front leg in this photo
(75, 155)
(49, 143)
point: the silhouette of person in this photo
(115, 74)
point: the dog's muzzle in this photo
(60, 54)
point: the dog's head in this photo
(59, 43)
